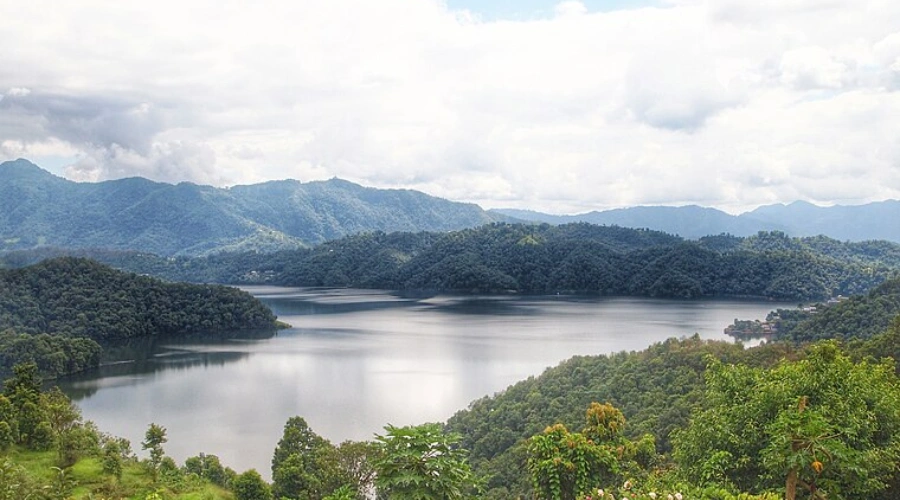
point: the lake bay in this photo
(356, 360)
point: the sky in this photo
(561, 107)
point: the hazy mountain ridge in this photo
(38, 208)
(846, 223)
(578, 258)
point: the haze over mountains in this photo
(39, 209)
(872, 221)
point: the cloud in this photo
(99, 120)
(570, 8)
(813, 68)
(168, 162)
(726, 103)
(658, 95)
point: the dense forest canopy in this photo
(56, 312)
(542, 259)
(858, 317)
(662, 390)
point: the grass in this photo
(136, 482)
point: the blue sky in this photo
(518, 10)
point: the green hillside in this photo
(39, 209)
(58, 311)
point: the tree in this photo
(250, 486)
(356, 460)
(604, 422)
(305, 465)
(23, 391)
(564, 465)
(15, 483)
(64, 419)
(60, 488)
(209, 467)
(823, 425)
(154, 438)
(112, 461)
(421, 462)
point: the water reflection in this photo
(132, 361)
(357, 360)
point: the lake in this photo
(356, 360)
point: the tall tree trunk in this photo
(790, 486)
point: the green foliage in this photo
(655, 389)
(250, 486)
(153, 442)
(62, 485)
(64, 419)
(60, 457)
(572, 258)
(356, 460)
(54, 355)
(55, 312)
(112, 459)
(343, 493)
(190, 219)
(604, 422)
(564, 465)
(822, 423)
(6, 436)
(14, 481)
(210, 468)
(305, 465)
(24, 412)
(860, 317)
(422, 462)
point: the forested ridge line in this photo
(858, 317)
(57, 312)
(576, 258)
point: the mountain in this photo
(690, 221)
(872, 221)
(846, 223)
(39, 209)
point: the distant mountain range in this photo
(39, 209)
(873, 221)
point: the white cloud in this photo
(18, 92)
(727, 103)
(570, 8)
(813, 68)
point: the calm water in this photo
(357, 360)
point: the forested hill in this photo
(40, 209)
(859, 317)
(56, 311)
(656, 389)
(662, 389)
(572, 258)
